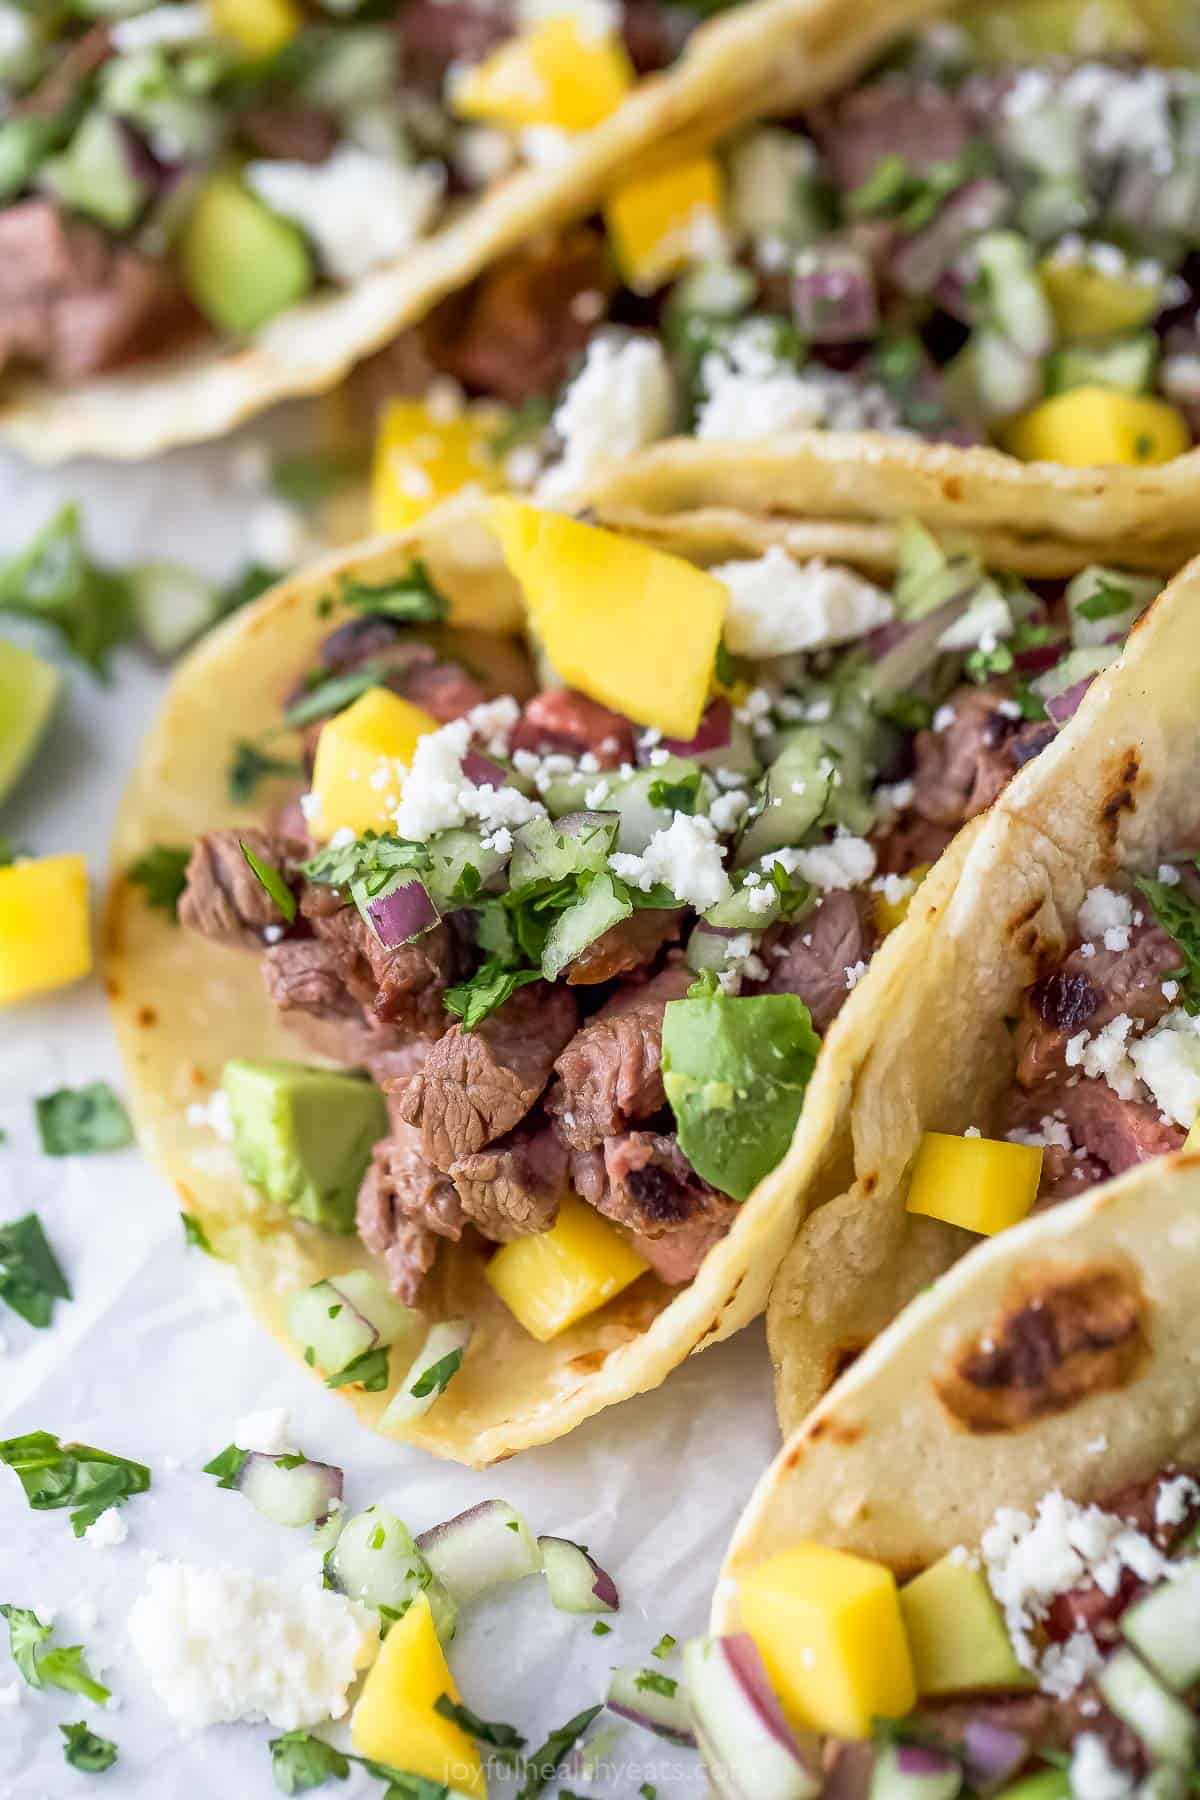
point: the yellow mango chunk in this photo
(394, 1721)
(1191, 1142)
(420, 460)
(1090, 426)
(550, 1280)
(982, 1184)
(956, 1632)
(45, 941)
(354, 784)
(829, 1628)
(1087, 303)
(260, 26)
(634, 628)
(660, 223)
(890, 913)
(559, 74)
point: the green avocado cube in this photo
(28, 691)
(957, 1634)
(240, 262)
(304, 1136)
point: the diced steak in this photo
(436, 33)
(653, 34)
(404, 1207)
(608, 1076)
(1088, 992)
(676, 1256)
(289, 131)
(44, 255)
(478, 1085)
(224, 900)
(514, 1187)
(401, 986)
(811, 957)
(1113, 1133)
(406, 665)
(568, 722)
(920, 122)
(445, 690)
(961, 769)
(911, 843)
(628, 948)
(307, 975)
(642, 1180)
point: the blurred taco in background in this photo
(607, 912)
(972, 1570)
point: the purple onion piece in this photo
(484, 771)
(403, 914)
(745, 1660)
(1063, 706)
(992, 1754)
(929, 255)
(715, 730)
(1039, 657)
(904, 650)
(833, 296)
(576, 1581)
(917, 1759)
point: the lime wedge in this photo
(28, 689)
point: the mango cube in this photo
(261, 27)
(1191, 1142)
(355, 784)
(394, 1721)
(891, 913)
(550, 1280)
(45, 941)
(560, 74)
(982, 1184)
(660, 223)
(1087, 303)
(829, 1628)
(1090, 426)
(420, 460)
(956, 1632)
(632, 627)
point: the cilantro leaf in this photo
(82, 1121)
(60, 1667)
(194, 1234)
(1179, 917)
(411, 598)
(484, 1731)
(1107, 600)
(675, 796)
(600, 1629)
(491, 985)
(649, 1681)
(370, 861)
(270, 879)
(982, 664)
(435, 1379)
(333, 695)
(300, 1761)
(30, 1277)
(25, 1634)
(55, 1475)
(665, 1645)
(65, 1668)
(370, 1371)
(84, 1750)
(226, 1466)
(54, 581)
(306, 478)
(250, 765)
(162, 872)
(545, 1762)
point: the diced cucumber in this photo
(1164, 1724)
(638, 817)
(328, 1327)
(720, 290)
(487, 1546)
(288, 1492)
(436, 1363)
(1075, 666)
(575, 1579)
(567, 793)
(581, 924)
(452, 854)
(735, 912)
(1098, 590)
(792, 796)
(927, 575)
(240, 262)
(908, 1772)
(375, 1561)
(776, 187)
(28, 692)
(1014, 300)
(543, 851)
(1165, 1627)
(659, 1706)
(1007, 380)
(849, 737)
(1127, 365)
(390, 1318)
(172, 605)
(96, 173)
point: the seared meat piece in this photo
(406, 665)
(290, 132)
(307, 976)
(436, 33)
(224, 900)
(910, 844)
(642, 1180)
(513, 1188)
(567, 722)
(444, 689)
(401, 986)
(478, 1085)
(1114, 1134)
(1088, 992)
(811, 957)
(404, 1207)
(628, 948)
(962, 769)
(676, 1256)
(918, 121)
(608, 1076)
(654, 34)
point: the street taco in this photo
(1050, 1040)
(206, 209)
(926, 1598)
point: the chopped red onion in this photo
(715, 730)
(401, 915)
(1063, 706)
(918, 1759)
(833, 295)
(576, 1581)
(923, 259)
(484, 771)
(904, 650)
(992, 1754)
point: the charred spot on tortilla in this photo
(147, 1016)
(1062, 1336)
(870, 1182)
(1027, 914)
(843, 1358)
(1121, 798)
(588, 1362)
(842, 1432)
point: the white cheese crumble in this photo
(1051, 1131)
(686, 856)
(1168, 875)
(221, 1645)
(109, 1530)
(1168, 1061)
(161, 25)
(1104, 1057)
(855, 973)
(778, 606)
(437, 796)
(1174, 1497)
(751, 394)
(360, 210)
(1104, 909)
(594, 18)
(988, 617)
(622, 399)
(267, 1432)
(1094, 1775)
(214, 1114)
(845, 862)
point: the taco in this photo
(959, 286)
(1049, 1040)
(207, 209)
(925, 1599)
(588, 945)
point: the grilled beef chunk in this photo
(436, 33)
(628, 948)
(568, 722)
(1115, 1134)
(918, 121)
(404, 1207)
(811, 958)
(961, 770)
(910, 844)
(402, 986)
(608, 1076)
(289, 132)
(407, 666)
(642, 1180)
(224, 900)
(1088, 992)
(513, 1188)
(676, 1256)
(478, 1085)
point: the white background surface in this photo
(157, 1360)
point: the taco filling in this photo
(588, 955)
(1055, 1660)
(951, 251)
(175, 169)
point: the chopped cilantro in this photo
(1179, 917)
(664, 1646)
(377, 1538)
(227, 1465)
(371, 861)
(54, 1475)
(982, 664)
(306, 478)
(54, 581)
(162, 872)
(84, 1750)
(332, 695)
(411, 598)
(30, 1277)
(369, 1371)
(82, 1121)
(491, 985)
(706, 984)
(526, 421)
(270, 879)
(676, 796)
(484, 1731)
(1031, 703)
(895, 190)
(907, 711)
(300, 1761)
(649, 1681)
(1107, 600)
(250, 765)
(435, 1379)
(194, 1234)
(546, 1762)
(61, 1667)
(648, 1791)
(600, 1629)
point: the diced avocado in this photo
(956, 1632)
(96, 174)
(28, 689)
(735, 1071)
(240, 262)
(303, 1136)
